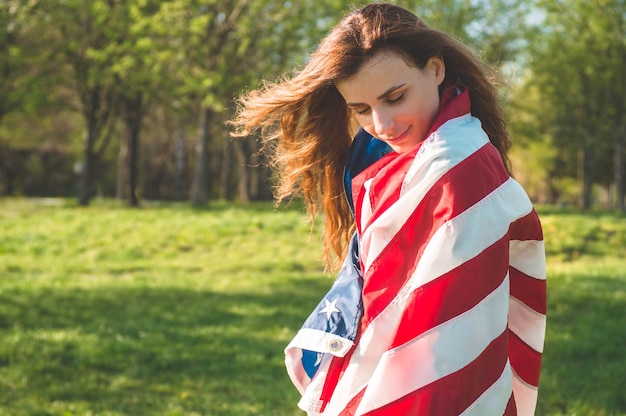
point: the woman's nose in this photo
(383, 123)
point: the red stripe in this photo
(455, 192)
(351, 407)
(511, 408)
(358, 188)
(452, 394)
(527, 228)
(452, 105)
(385, 188)
(526, 362)
(454, 293)
(528, 290)
(332, 377)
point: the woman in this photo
(439, 307)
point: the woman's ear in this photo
(438, 68)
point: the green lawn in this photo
(171, 310)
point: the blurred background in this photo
(129, 98)
(185, 308)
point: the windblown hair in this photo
(308, 123)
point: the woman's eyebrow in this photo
(390, 91)
(382, 96)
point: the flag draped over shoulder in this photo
(439, 308)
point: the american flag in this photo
(439, 308)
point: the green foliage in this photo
(172, 310)
(493, 28)
(533, 165)
(160, 61)
(24, 61)
(576, 87)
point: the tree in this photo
(279, 43)
(493, 28)
(276, 43)
(85, 28)
(220, 46)
(24, 60)
(582, 87)
(137, 81)
(197, 32)
(108, 44)
(128, 60)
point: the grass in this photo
(157, 311)
(171, 310)
(585, 351)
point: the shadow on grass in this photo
(584, 361)
(161, 351)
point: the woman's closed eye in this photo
(395, 99)
(390, 100)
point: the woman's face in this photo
(394, 102)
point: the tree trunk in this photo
(120, 186)
(179, 192)
(132, 138)
(200, 188)
(133, 114)
(97, 105)
(619, 171)
(84, 184)
(242, 172)
(225, 170)
(255, 172)
(586, 175)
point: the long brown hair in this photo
(308, 121)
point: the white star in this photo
(330, 308)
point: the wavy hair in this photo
(307, 122)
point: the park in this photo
(145, 267)
(175, 310)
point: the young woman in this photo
(395, 131)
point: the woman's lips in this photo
(400, 137)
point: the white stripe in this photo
(312, 340)
(494, 400)
(378, 235)
(455, 242)
(529, 257)
(525, 397)
(527, 324)
(469, 233)
(321, 341)
(363, 362)
(436, 353)
(436, 157)
(462, 136)
(309, 402)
